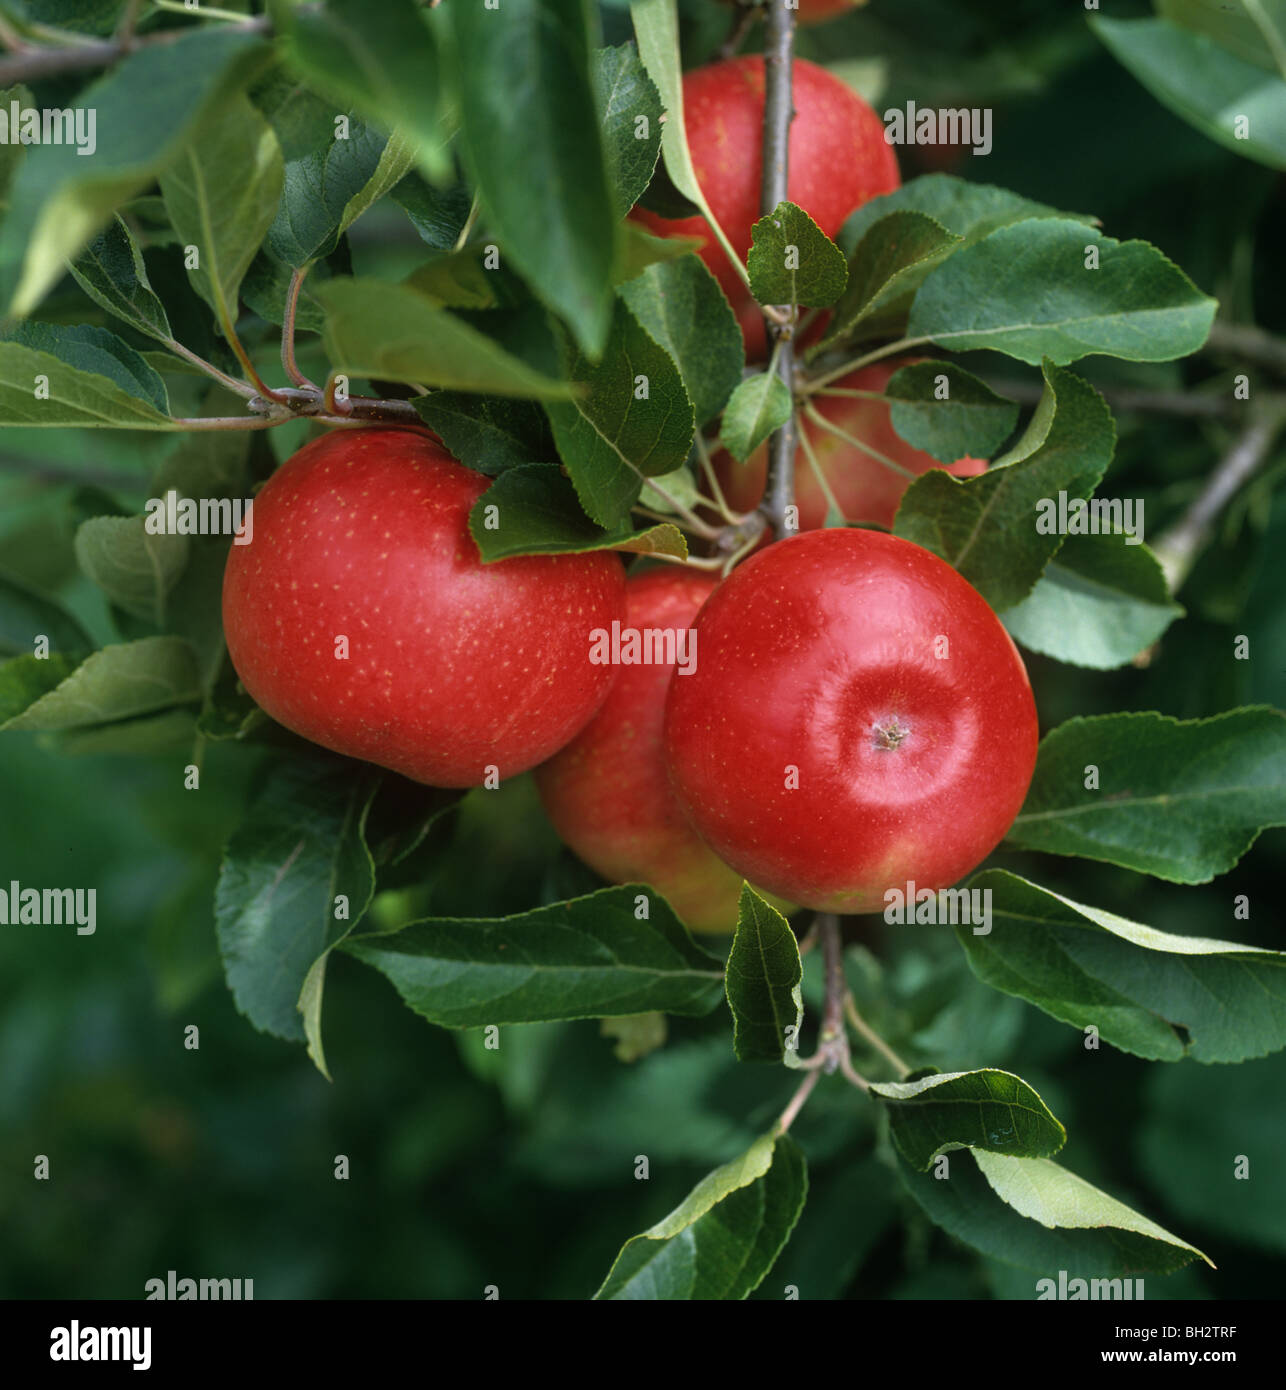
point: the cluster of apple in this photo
(855, 716)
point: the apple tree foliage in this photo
(571, 357)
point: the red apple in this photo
(608, 793)
(838, 160)
(452, 666)
(859, 719)
(864, 488)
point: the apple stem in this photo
(288, 330)
(747, 13)
(819, 419)
(241, 388)
(820, 474)
(815, 384)
(779, 50)
(861, 1026)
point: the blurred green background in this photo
(516, 1167)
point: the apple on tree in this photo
(362, 617)
(859, 719)
(864, 488)
(608, 792)
(839, 159)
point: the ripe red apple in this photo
(608, 793)
(451, 666)
(838, 160)
(859, 719)
(864, 488)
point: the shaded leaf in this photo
(987, 526)
(533, 510)
(758, 406)
(1180, 799)
(1099, 602)
(588, 958)
(1026, 290)
(971, 421)
(1147, 992)
(724, 1238)
(988, 1109)
(792, 261)
(762, 981)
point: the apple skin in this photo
(839, 159)
(453, 665)
(864, 488)
(810, 648)
(608, 792)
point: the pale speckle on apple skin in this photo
(538, 683)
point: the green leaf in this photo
(133, 566)
(969, 210)
(1231, 101)
(893, 256)
(1180, 799)
(1255, 31)
(296, 861)
(1147, 992)
(640, 249)
(374, 329)
(222, 194)
(633, 420)
(25, 679)
(656, 29)
(146, 109)
(327, 187)
(681, 305)
(381, 59)
(988, 1109)
(26, 615)
(725, 1237)
(629, 111)
(761, 404)
(762, 981)
(970, 420)
(54, 375)
(588, 958)
(111, 272)
(457, 279)
(1047, 1193)
(488, 433)
(1099, 603)
(1026, 291)
(1086, 1233)
(792, 261)
(437, 214)
(533, 510)
(114, 683)
(987, 526)
(536, 151)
